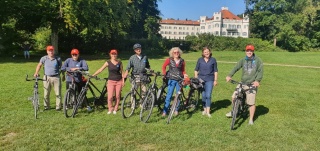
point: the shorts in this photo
(250, 95)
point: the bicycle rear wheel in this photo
(35, 103)
(69, 102)
(193, 100)
(173, 108)
(79, 101)
(147, 107)
(128, 105)
(235, 110)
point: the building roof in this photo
(179, 22)
(226, 14)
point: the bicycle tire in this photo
(128, 105)
(79, 101)
(147, 107)
(235, 109)
(35, 103)
(193, 101)
(173, 108)
(161, 97)
(69, 102)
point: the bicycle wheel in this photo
(35, 103)
(161, 97)
(193, 101)
(235, 109)
(69, 102)
(173, 108)
(128, 105)
(79, 101)
(147, 107)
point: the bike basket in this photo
(195, 83)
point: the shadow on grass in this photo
(260, 110)
(215, 106)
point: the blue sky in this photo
(193, 9)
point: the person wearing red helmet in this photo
(52, 65)
(252, 73)
(75, 63)
(115, 80)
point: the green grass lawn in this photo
(287, 116)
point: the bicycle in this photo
(35, 97)
(239, 103)
(70, 97)
(98, 100)
(153, 96)
(130, 102)
(189, 103)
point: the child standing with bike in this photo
(73, 64)
(115, 80)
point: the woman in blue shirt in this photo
(207, 70)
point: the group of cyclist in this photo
(206, 70)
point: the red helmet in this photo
(250, 47)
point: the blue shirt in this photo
(51, 66)
(205, 69)
(70, 63)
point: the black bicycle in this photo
(154, 96)
(240, 106)
(130, 101)
(189, 102)
(70, 97)
(99, 101)
(35, 98)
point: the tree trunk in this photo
(275, 41)
(54, 40)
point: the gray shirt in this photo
(51, 67)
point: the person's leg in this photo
(28, 54)
(251, 101)
(204, 101)
(171, 85)
(25, 54)
(208, 91)
(118, 94)
(56, 83)
(111, 88)
(176, 84)
(46, 92)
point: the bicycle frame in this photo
(91, 87)
(35, 98)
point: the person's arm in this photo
(259, 74)
(147, 63)
(196, 69)
(234, 70)
(164, 66)
(101, 69)
(215, 70)
(37, 69)
(129, 66)
(121, 71)
(84, 66)
(184, 69)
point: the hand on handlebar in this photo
(228, 78)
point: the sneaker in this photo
(209, 115)
(250, 122)
(114, 112)
(229, 114)
(109, 112)
(89, 109)
(46, 109)
(58, 109)
(204, 113)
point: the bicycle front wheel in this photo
(69, 102)
(79, 101)
(147, 107)
(235, 109)
(161, 97)
(173, 108)
(192, 101)
(35, 103)
(128, 105)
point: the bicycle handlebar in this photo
(37, 78)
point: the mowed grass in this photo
(287, 116)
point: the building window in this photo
(216, 32)
(187, 33)
(244, 34)
(217, 18)
(174, 33)
(169, 32)
(192, 33)
(202, 21)
(174, 27)
(238, 26)
(202, 27)
(169, 27)
(223, 33)
(209, 27)
(216, 25)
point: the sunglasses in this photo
(114, 54)
(176, 52)
(74, 54)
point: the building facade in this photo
(223, 23)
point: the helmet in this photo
(74, 52)
(250, 47)
(135, 46)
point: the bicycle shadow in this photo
(260, 111)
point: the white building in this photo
(223, 23)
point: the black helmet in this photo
(135, 46)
